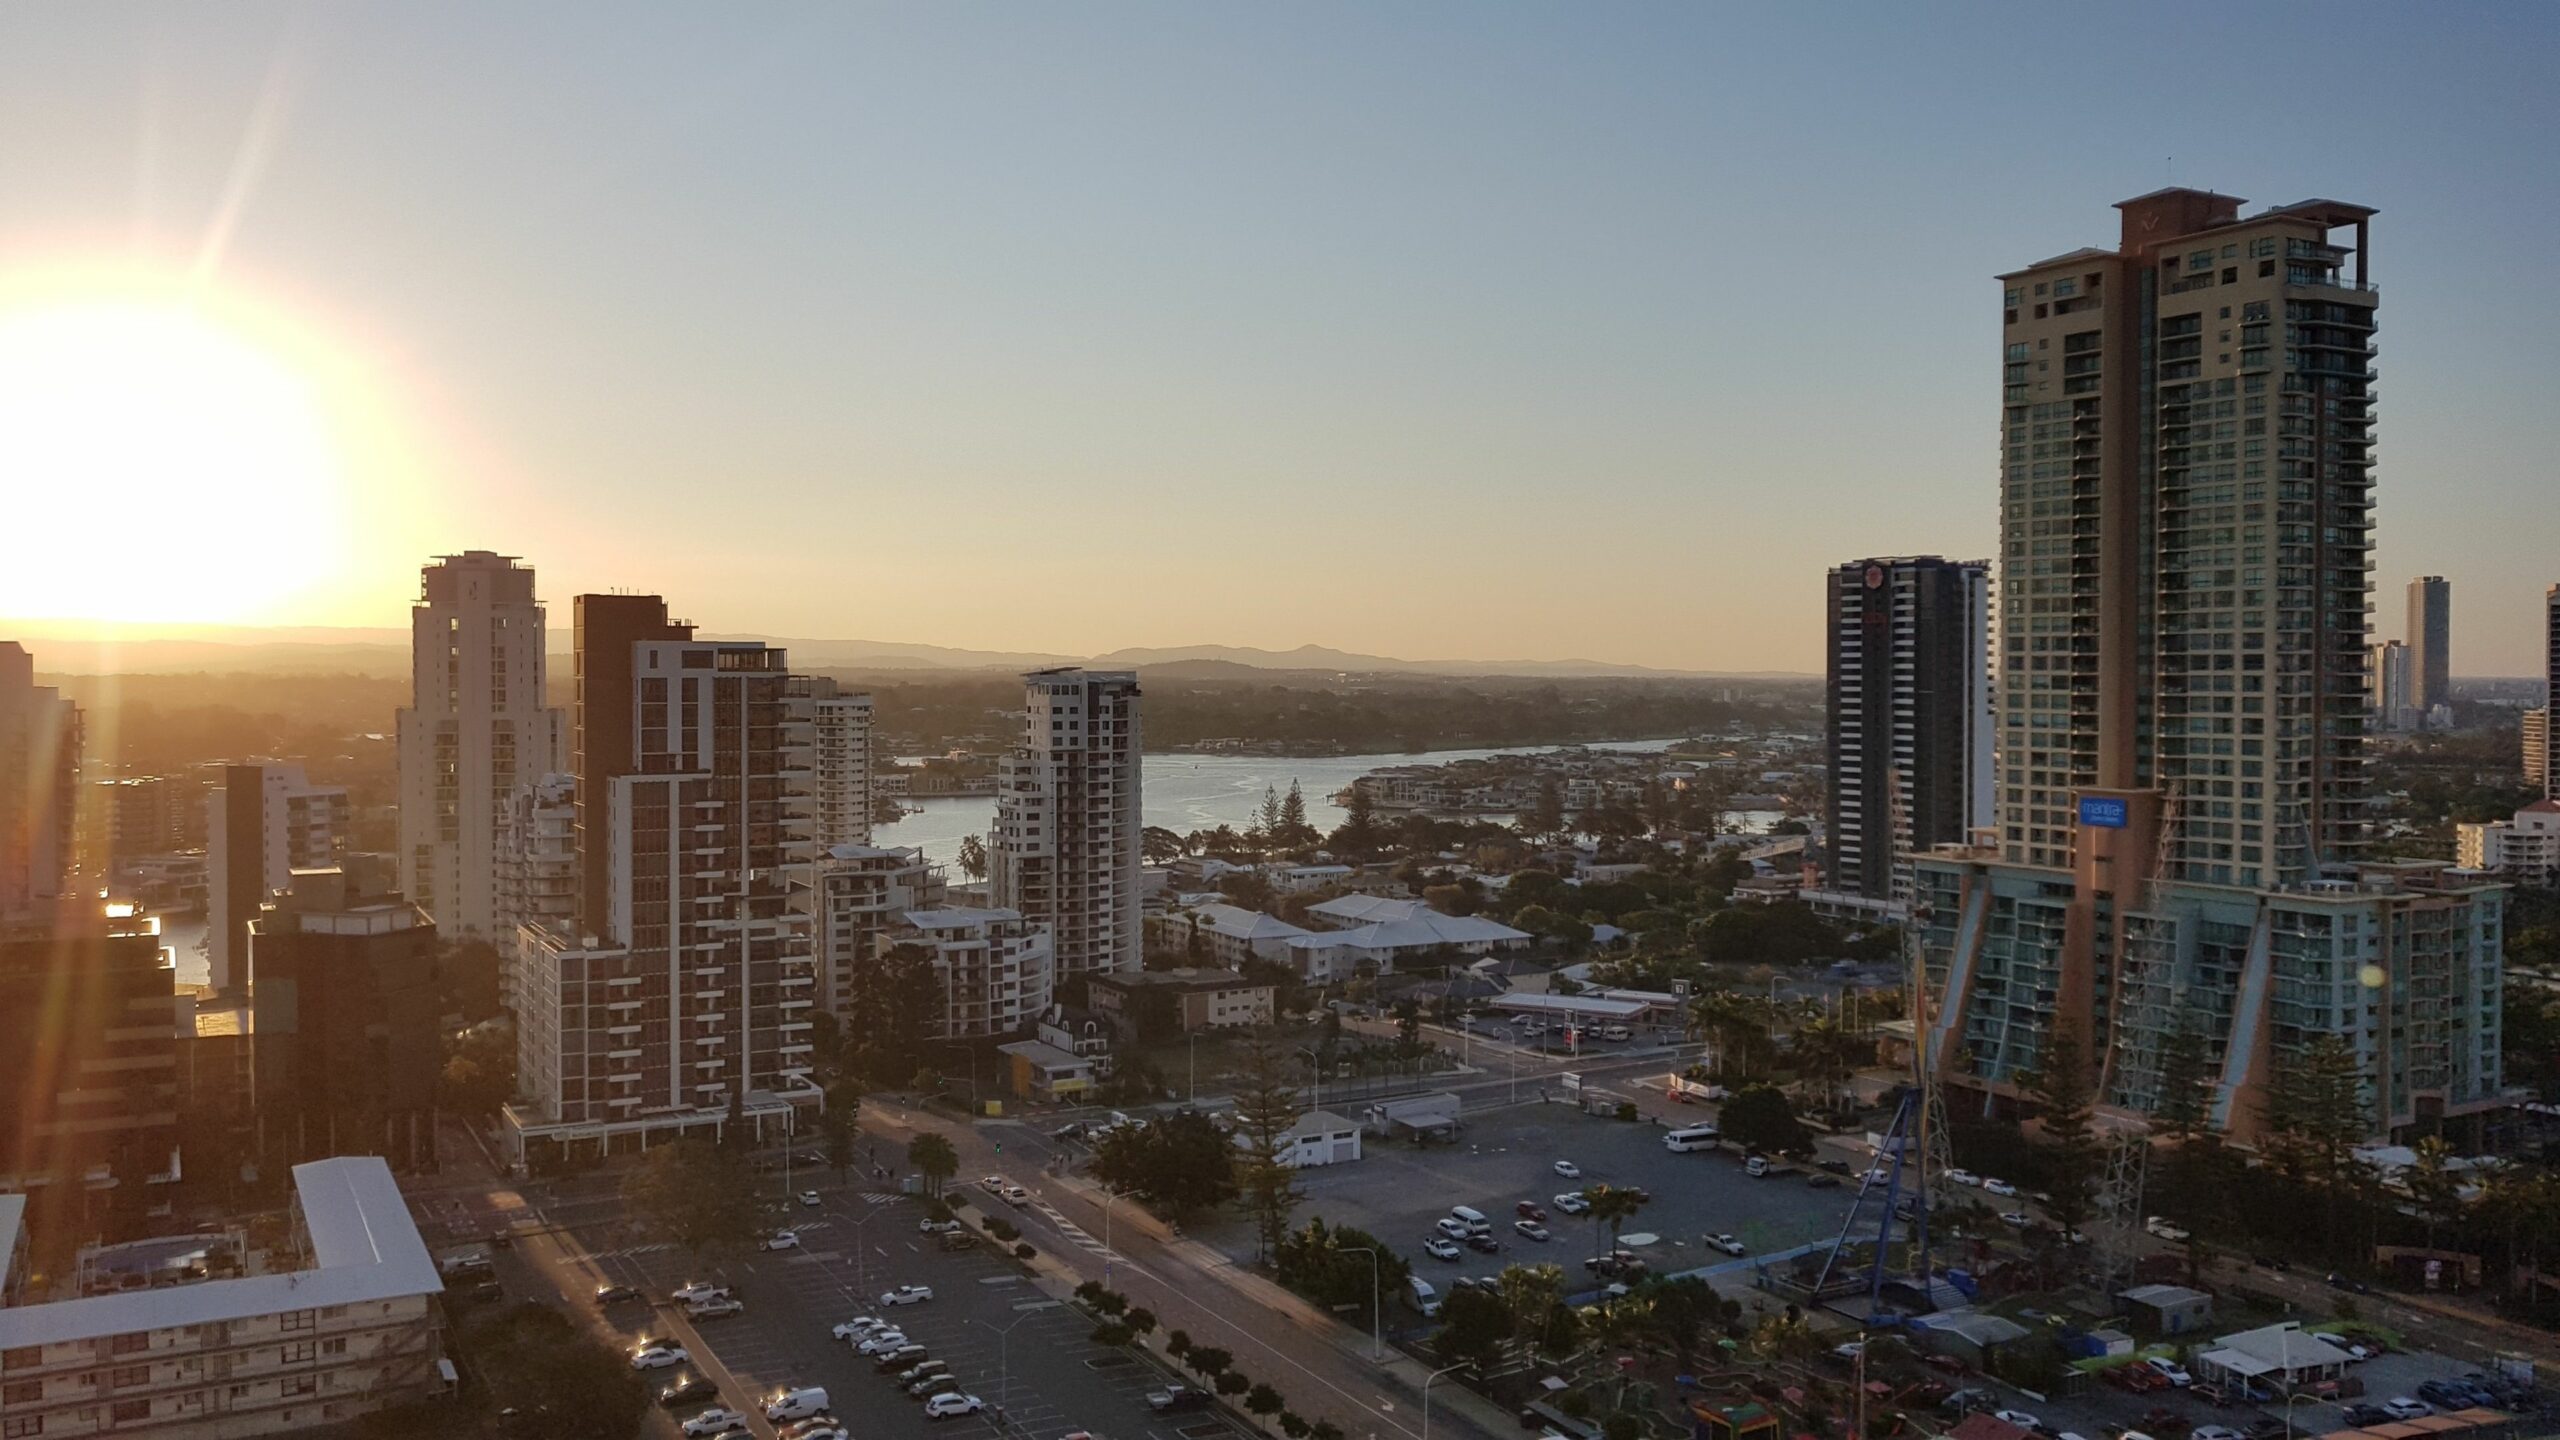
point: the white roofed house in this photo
(1375, 934)
(1318, 1137)
(1229, 934)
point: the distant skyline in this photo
(1433, 331)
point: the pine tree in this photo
(2315, 1117)
(1266, 1107)
(1266, 825)
(2060, 1085)
(1293, 816)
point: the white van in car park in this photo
(796, 1404)
(1690, 1137)
(1419, 1294)
(1472, 1218)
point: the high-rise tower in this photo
(476, 727)
(1065, 847)
(1910, 713)
(2431, 642)
(2549, 762)
(2186, 521)
(608, 626)
(39, 786)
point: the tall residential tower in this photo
(1910, 714)
(1065, 848)
(2431, 643)
(39, 786)
(476, 727)
(2185, 556)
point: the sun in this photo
(159, 460)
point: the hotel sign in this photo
(2104, 812)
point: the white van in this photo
(1758, 1167)
(1472, 1218)
(1419, 1294)
(1690, 1137)
(796, 1404)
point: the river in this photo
(1183, 793)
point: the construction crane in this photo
(2143, 1003)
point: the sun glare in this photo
(160, 420)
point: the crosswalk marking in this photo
(1075, 1233)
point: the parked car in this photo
(1529, 1210)
(880, 1342)
(1175, 1397)
(1568, 1170)
(1532, 1229)
(1441, 1249)
(1959, 1177)
(715, 1421)
(809, 1199)
(2214, 1432)
(2016, 1219)
(943, 1407)
(859, 1326)
(923, 1370)
(907, 1295)
(687, 1390)
(927, 1386)
(1485, 1244)
(2170, 1370)
(1849, 1351)
(992, 1184)
(782, 1240)
(658, 1357)
(2361, 1415)
(796, 1404)
(714, 1309)
(937, 1227)
(2160, 1227)
(2402, 1407)
(615, 1294)
(2001, 1188)
(1451, 1227)
(2356, 1349)
(1572, 1204)
(2024, 1420)
(1726, 1243)
(890, 1362)
(696, 1290)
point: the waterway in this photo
(1183, 793)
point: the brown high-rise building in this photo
(88, 1055)
(607, 627)
(2430, 644)
(346, 1049)
(2186, 533)
(39, 787)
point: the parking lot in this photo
(1024, 1353)
(1507, 1155)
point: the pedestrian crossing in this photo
(1075, 1233)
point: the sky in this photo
(1437, 330)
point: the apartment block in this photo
(126, 818)
(855, 894)
(2182, 678)
(346, 1049)
(2392, 704)
(350, 1330)
(1065, 848)
(2431, 642)
(2534, 727)
(2542, 759)
(2525, 849)
(477, 725)
(841, 759)
(696, 993)
(1909, 714)
(266, 821)
(995, 966)
(537, 868)
(40, 743)
(88, 1061)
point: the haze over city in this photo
(1428, 331)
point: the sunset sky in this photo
(1436, 330)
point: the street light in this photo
(1110, 1197)
(1426, 1394)
(1195, 1067)
(1004, 1363)
(1315, 1067)
(1377, 1308)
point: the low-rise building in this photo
(350, 1332)
(2284, 1357)
(1198, 999)
(2167, 1309)
(995, 967)
(1224, 934)
(1038, 1070)
(1318, 1137)
(1374, 934)
(2526, 848)
(856, 894)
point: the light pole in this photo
(1377, 1308)
(1315, 1068)
(1195, 1067)
(1426, 1394)
(1109, 1198)
(1004, 1362)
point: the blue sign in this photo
(2107, 812)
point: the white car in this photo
(2356, 1349)
(946, 1405)
(1439, 1249)
(1016, 1195)
(2016, 1219)
(1725, 1243)
(715, 1421)
(2170, 1370)
(698, 1290)
(859, 1326)
(2402, 1407)
(1451, 1226)
(2160, 1228)
(782, 1240)
(658, 1357)
(2213, 1432)
(1568, 1170)
(1999, 1187)
(2019, 1418)
(719, 1309)
(937, 1227)
(880, 1342)
(992, 1184)
(821, 1431)
(1963, 1177)
(809, 1198)
(1573, 1204)
(1849, 1351)
(907, 1295)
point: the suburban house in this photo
(1229, 934)
(1375, 934)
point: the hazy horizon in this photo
(1433, 332)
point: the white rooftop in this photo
(1238, 923)
(1594, 1006)
(1418, 931)
(2287, 1347)
(958, 917)
(363, 1243)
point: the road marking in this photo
(1028, 1305)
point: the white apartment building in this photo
(1065, 847)
(701, 987)
(352, 1331)
(476, 727)
(2526, 848)
(854, 894)
(840, 757)
(267, 821)
(537, 867)
(995, 965)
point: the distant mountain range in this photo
(88, 648)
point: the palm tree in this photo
(973, 857)
(934, 1159)
(1735, 1025)
(1611, 1207)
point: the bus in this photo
(1690, 1137)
